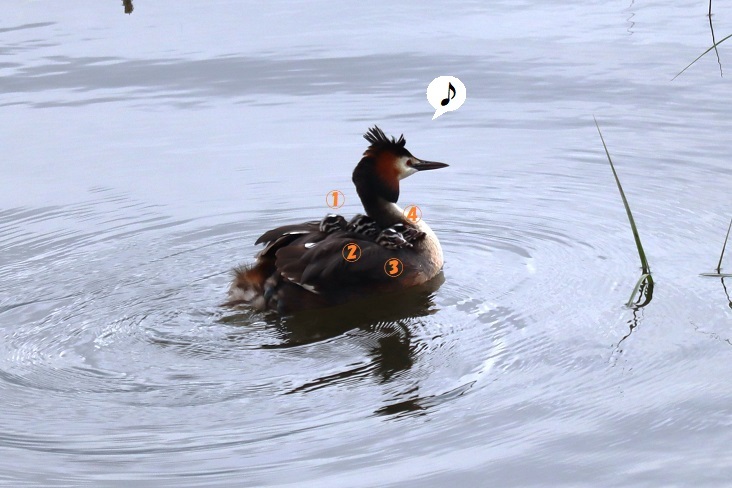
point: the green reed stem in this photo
(724, 246)
(645, 278)
(644, 262)
(714, 46)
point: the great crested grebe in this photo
(304, 266)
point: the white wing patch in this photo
(310, 288)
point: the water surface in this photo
(144, 154)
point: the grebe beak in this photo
(420, 165)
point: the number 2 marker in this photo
(351, 252)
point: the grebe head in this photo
(384, 163)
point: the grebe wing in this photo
(285, 235)
(291, 229)
(319, 266)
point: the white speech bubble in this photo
(445, 94)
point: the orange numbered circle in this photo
(393, 267)
(351, 252)
(412, 213)
(335, 199)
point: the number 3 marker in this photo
(393, 267)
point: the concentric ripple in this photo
(129, 355)
(143, 155)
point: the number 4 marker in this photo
(413, 214)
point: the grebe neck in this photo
(385, 213)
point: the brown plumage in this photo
(302, 266)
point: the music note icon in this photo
(446, 100)
(456, 95)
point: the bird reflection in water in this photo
(382, 324)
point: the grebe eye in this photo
(409, 162)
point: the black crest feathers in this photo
(378, 140)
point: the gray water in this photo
(143, 154)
